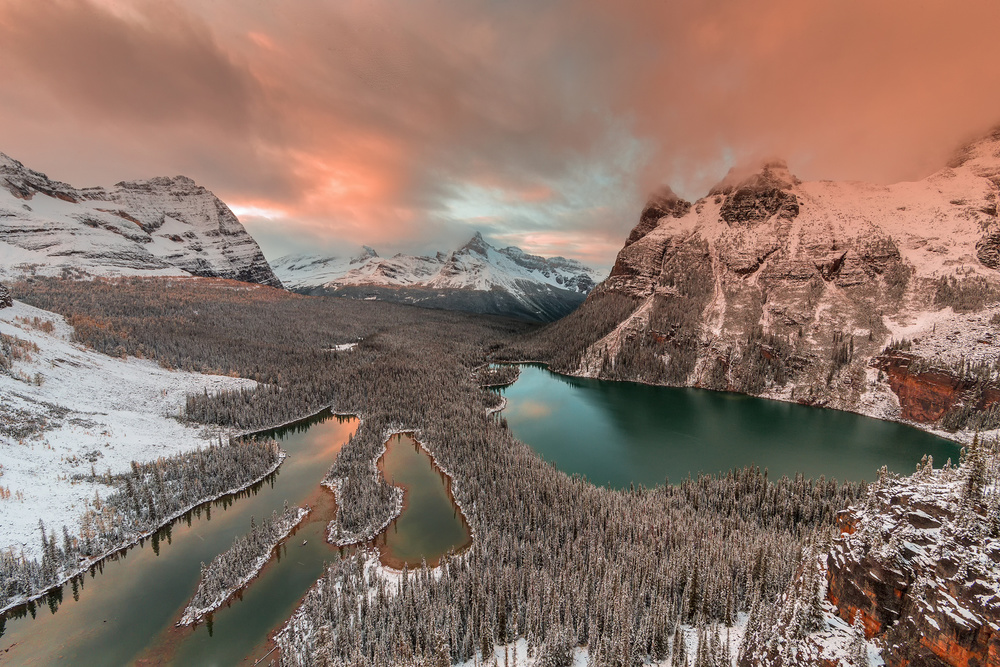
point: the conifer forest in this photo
(555, 560)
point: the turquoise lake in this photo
(620, 433)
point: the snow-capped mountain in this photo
(476, 277)
(793, 290)
(160, 226)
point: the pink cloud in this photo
(366, 122)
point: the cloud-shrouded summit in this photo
(409, 125)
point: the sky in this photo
(408, 125)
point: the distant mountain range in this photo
(173, 227)
(476, 277)
(161, 226)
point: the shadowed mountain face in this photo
(794, 290)
(476, 278)
(160, 226)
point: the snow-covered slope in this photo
(65, 409)
(790, 289)
(303, 271)
(161, 226)
(518, 283)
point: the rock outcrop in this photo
(660, 205)
(759, 196)
(5, 299)
(789, 289)
(160, 226)
(915, 569)
(927, 395)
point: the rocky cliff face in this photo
(915, 570)
(161, 226)
(5, 299)
(929, 394)
(793, 290)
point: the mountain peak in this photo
(8, 162)
(981, 154)
(476, 244)
(475, 277)
(170, 183)
(771, 174)
(662, 202)
(165, 224)
(367, 252)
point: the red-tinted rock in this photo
(926, 396)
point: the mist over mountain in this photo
(871, 298)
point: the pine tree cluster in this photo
(554, 559)
(233, 568)
(140, 502)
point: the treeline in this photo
(562, 344)
(283, 341)
(233, 568)
(490, 375)
(554, 558)
(140, 501)
(966, 294)
(619, 572)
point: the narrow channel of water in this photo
(134, 602)
(619, 433)
(125, 614)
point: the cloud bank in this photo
(543, 124)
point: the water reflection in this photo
(618, 433)
(129, 615)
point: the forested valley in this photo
(554, 560)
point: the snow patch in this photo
(67, 409)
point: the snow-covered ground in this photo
(516, 653)
(65, 409)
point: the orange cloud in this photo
(408, 124)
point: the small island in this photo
(233, 569)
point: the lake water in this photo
(619, 433)
(430, 523)
(125, 613)
(612, 433)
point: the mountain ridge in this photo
(476, 277)
(157, 226)
(879, 299)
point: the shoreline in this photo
(499, 408)
(335, 486)
(959, 438)
(368, 545)
(384, 559)
(96, 560)
(319, 512)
